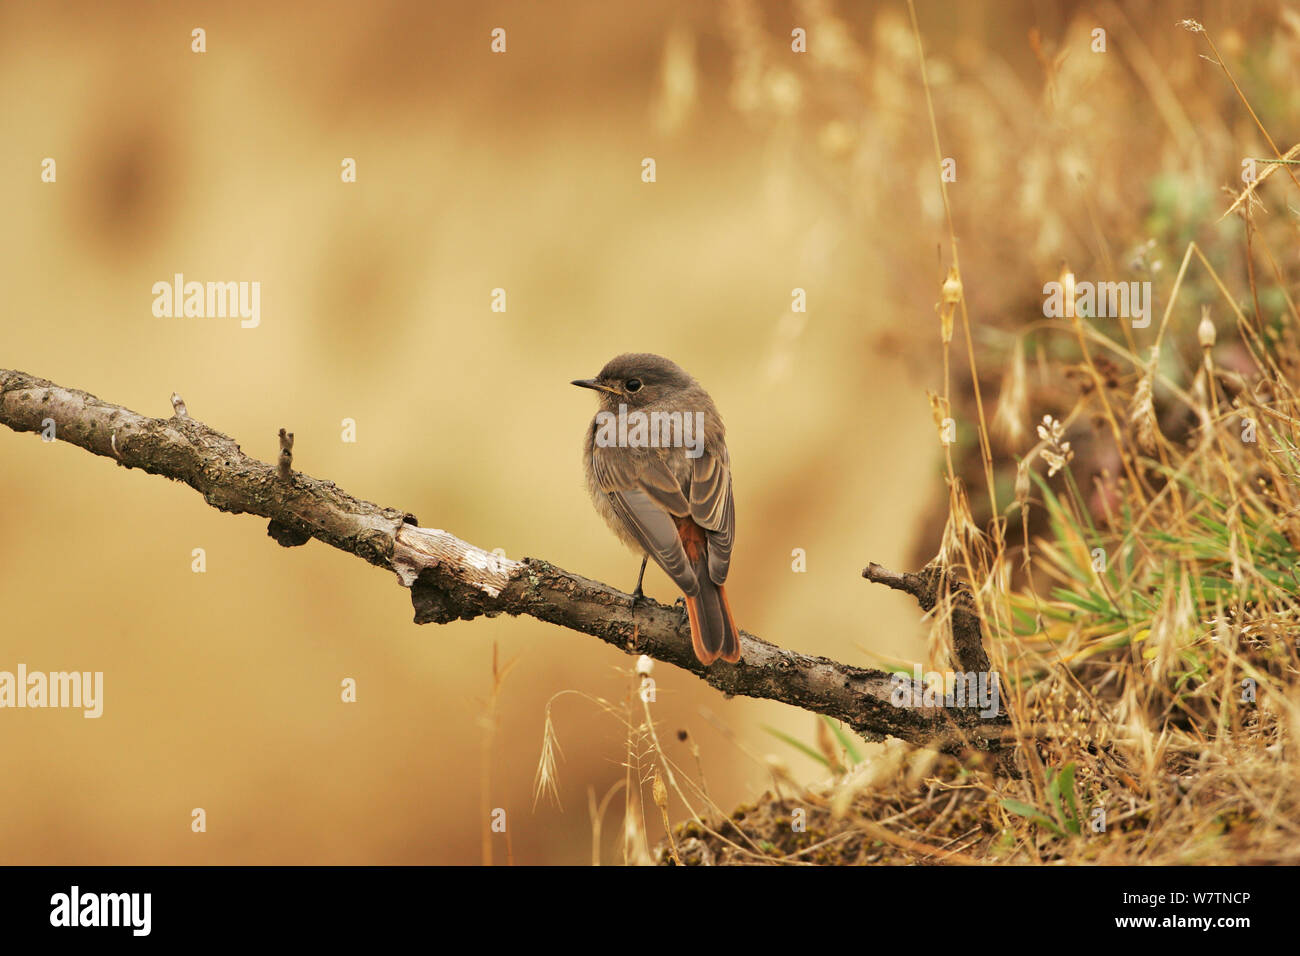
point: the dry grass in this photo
(1151, 659)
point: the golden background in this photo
(477, 171)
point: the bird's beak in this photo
(593, 384)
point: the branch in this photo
(451, 579)
(967, 630)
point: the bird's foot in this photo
(685, 622)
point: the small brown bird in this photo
(659, 474)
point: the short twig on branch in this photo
(286, 454)
(451, 579)
(925, 585)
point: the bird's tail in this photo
(713, 629)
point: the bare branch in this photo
(451, 579)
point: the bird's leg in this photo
(639, 595)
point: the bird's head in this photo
(637, 379)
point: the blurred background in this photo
(522, 171)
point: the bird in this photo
(658, 471)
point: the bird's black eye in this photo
(634, 385)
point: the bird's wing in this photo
(713, 509)
(642, 493)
